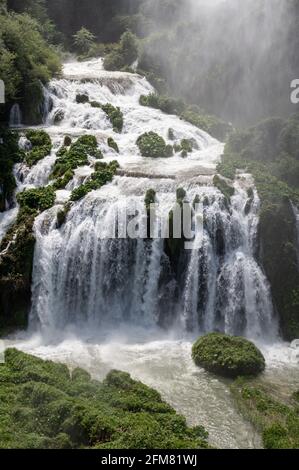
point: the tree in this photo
(83, 40)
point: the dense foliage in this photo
(26, 61)
(43, 405)
(9, 155)
(277, 421)
(153, 145)
(41, 146)
(228, 356)
(103, 174)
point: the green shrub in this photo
(82, 99)
(41, 146)
(211, 124)
(9, 155)
(76, 156)
(39, 199)
(277, 421)
(44, 406)
(227, 190)
(115, 116)
(150, 198)
(104, 174)
(153, 146)
(112, 144)
(228, 356)
(123, 54)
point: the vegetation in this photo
(124, 54)
(9, 155)
(43, 405)
(228, 356)
(41, 146)
(190, 113)
(104, 174)
(115, 116)
(39, 199)
(226, 189)
(83, 41)
(112, 144)
(77, 155)
(26, 61)
(153, 146)
(277, 421)
(16, 261)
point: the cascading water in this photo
(82, 275)
(99, 302)
(15, 117)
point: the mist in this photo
(231, 57)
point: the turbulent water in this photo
(115, 294)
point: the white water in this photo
(15, 118)
(97, 302)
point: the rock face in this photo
(228, 356)
(278, 256)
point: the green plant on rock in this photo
(104, 173)
(277, 421)
(82, 98)
(9, 155)
(150, 198)
(39, 199)
(76, 156)
(115, 116)
(153, 146)
(227, 190)
(112, 144)
(228, 356)
(41, 146)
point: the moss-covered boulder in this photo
(41, 146)
(228, 356)
(112, 144)
(153, 146)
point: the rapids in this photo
(99, 302)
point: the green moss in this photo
(39, 199)
(227, 190)
(16, 261)
(228, 356)
(104, 174)
(112, 144)
(67, 141)
(276, 421)
(150, 198)
(9, 155)
(82, 99)
(41, 146)
(153, 146)
(115, 116)
(62, 215)
(42, 405)
(76, 156)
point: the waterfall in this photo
(84, 276)
(296, 215)
(15, 117)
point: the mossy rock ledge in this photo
(228, 356)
